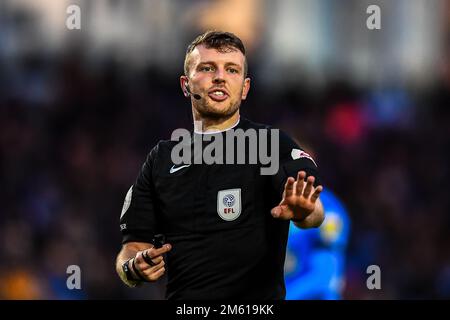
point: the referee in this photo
(225, 225)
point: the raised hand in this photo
(299, 198)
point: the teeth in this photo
(219, 93)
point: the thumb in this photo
(276, 212)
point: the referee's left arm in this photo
(300, 202)
(299, 184)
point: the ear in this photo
(246, 88)
(183, 83)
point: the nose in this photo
(219, 76)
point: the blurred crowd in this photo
(68, 160)
(75, 130)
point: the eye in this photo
(233, 70)
(206, 68)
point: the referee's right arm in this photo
(138, 261)
(144, 263)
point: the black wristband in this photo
(126, 269)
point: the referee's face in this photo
(219, 78)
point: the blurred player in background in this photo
(315, 260)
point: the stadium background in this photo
(80, 109)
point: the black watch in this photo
(127, 270)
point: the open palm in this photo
(299, 198)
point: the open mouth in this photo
(218, 95)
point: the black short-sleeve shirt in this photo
(225, 243)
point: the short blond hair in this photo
(219, 40)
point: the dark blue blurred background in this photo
(80, 109)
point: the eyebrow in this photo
(227, 64)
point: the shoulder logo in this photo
(175, 169)
(297, 154)
(229, 204)
(127, 202)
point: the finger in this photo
(150, 271)
(137, 268)
(309, 186)
(157, 260)
(276, 212)
(316, 194)
(150, 261)
(147, 263)
(159, 266)
(158, 274)
(300, 182)
(289, 187)
(153, 252)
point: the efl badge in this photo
(229, 204)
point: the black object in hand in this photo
(158, 240)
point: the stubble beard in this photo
(208, 111)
